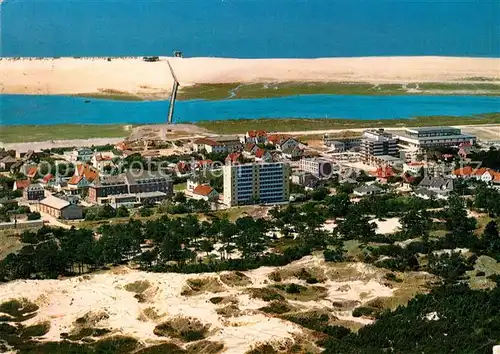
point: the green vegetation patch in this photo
(138, 286)
(278, 307)
(297, 292)
(196, 286)
(116, 344)
(262, 348)
(187, 329)
(235, 279)
(481, 276)
(235, 126)
(164, 348)
(36, 330)
(310, 275)
(230, 310)
(28, 133)
(91, 318)
(223, 300)
(150, 314)
(266, 294)
(205, 347)
(320, 320)
(283, 89)
(19, 309)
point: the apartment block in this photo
(378, 143)
(253, 183)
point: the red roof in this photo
(384, 172)
(233, 157)
(121, 146)
(464, 171)
(416, 164)
(21, 184)
(408, 178)
(204, 162)
(259, 153)
(47, 178)
(249, 147)
(75, 180)
(182, 166)
(32, 172)
(87, 171)
(254, 133)
(469, 171)
(206, 141)
(202, 189)
(275, 138)
(102, 158)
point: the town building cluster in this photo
(255, 168)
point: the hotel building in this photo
(378, 145)
(426, 137)
(253, 183)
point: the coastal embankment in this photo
(133, 78)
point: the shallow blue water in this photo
(24, 109)
(250, 28)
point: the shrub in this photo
(266, 294)
(187, 329)
(116, 344)
(138, 286)
(363, 311)
(294, 288)
(20, 310)
(277, 307)
(36, 330)
(235, 279)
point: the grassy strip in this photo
(297, 124)
(111, 96)
(31, 133)
(263, 90)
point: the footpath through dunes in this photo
(133, 78)
(230, 312)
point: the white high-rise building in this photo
(254, 183)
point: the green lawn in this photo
(28, 133)
(295, 124)
(181, 187)
(260, 90)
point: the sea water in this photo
(250, 28)
(44, 109)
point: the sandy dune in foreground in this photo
(63, 301)
(153, 79)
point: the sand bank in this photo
(133, 76)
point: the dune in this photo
(134, 76)
(132, 303)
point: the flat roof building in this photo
(254, 183)
(426, 137)
(318, 167)
(378, 143)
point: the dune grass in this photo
(236, 126)
(283, 89)
(31, 133)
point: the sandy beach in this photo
(153, 79)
